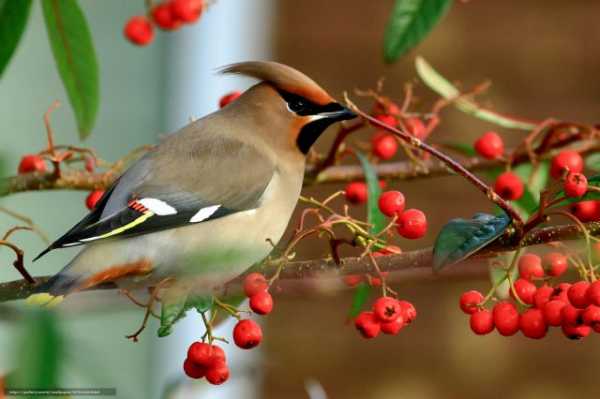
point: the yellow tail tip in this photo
(44, 299)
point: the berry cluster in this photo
(384, 145)
(573, 307)
(168, 15)
(34, 163)
(388, 315)
(566, 165)
(410, 223)
(207, 360)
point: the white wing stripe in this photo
(158, 207)
(204, 213)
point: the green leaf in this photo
(592, 161)
(174, 309)
(410, 22)
(75, 58)
(377, 221)
(40, 353)
(374, 216)
(13, 19)
(361, 294)
(444, 88)
(530, 200)
(460, 238)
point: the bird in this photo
(210, 200)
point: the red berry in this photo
(90, 164)
(553, 312)
(575, 185)
(490, 145)
(555, 263)
(193, 370)
(374, 281)
(92, 199)
(386, 309)
(164, 17)
(506, 318)
(356, 192)
(391, 203)
(352, 280)
(561, 292)
(576, 332)
(482, 322)
(532, 324)
(525, 290)
(187, 10)
(386, 119)
(470, 300)
(567, 160)
(571, 316)
(530, 266)
(228, 98)
(218, 373)
(591, 316)
(204, 355)
(408, 311)
(367, 324)
(393, 327)
(139, 30)
(509, 186)
(416, 127)
(255, 283)
(593, 293)
(578, 294)
(32, 163)
(261, 303)
(586, 211)
(412, 224)
(542, 296)
(393, 109)
(385, 147)
(247, 334)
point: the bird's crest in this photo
(282, 77)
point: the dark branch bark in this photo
(82, 180)
(413, 265)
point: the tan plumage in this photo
(207, 202)
(283, 77)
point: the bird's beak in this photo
(337, 112)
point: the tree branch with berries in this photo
(538, 192)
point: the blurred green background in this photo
(542, 60)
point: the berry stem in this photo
(448, 161)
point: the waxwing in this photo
(210, 200)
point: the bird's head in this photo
(286, 98)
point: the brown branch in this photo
(404, 170)
(413, 265)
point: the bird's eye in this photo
(297, 104)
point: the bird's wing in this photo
(215, 177)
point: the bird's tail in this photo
(53, 291)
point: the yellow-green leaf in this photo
(444, 88)
(75, 57)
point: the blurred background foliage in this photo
(542, 62)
